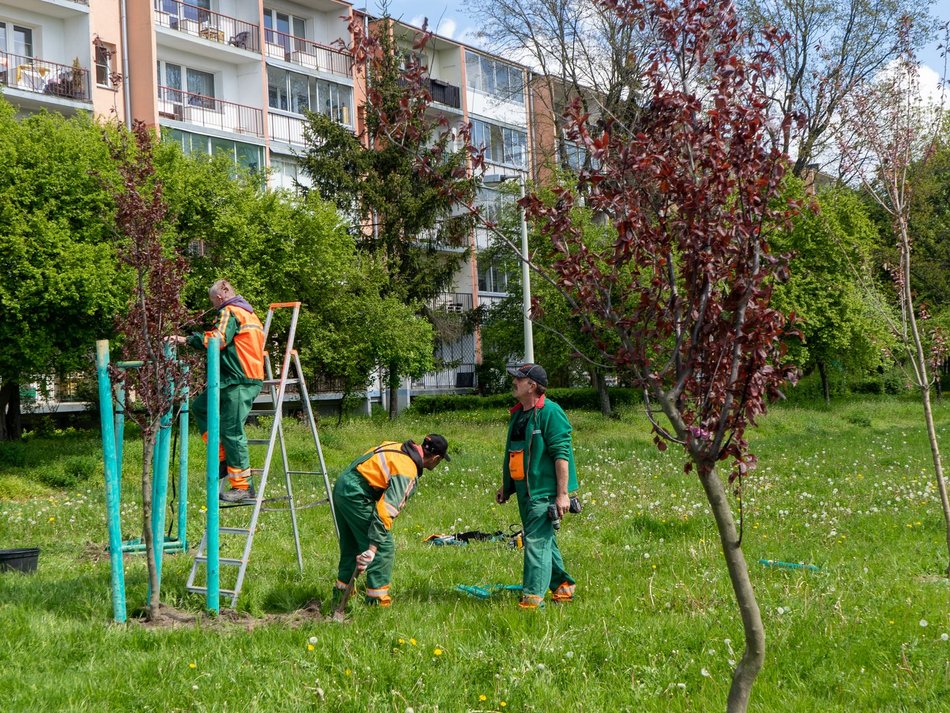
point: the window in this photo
(247, 156)
(286, 26)
(493, 77)
(502, 145)
(198, 85)
(290, 91)
(16, 40)
(491, 276)
(105, 63)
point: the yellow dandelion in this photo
(52, 519)
(483, 697)
(347, 672)
(310, 647)
(437, 652)
(204, 508)
(503, 704)
(402, 641)
(412, 641)
(192, 665)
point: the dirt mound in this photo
(169, 618)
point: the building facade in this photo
(236, 77)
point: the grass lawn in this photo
(654, 627)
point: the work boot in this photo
(564, 594)
(239, 495)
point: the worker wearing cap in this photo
(539, 468)
(367, 497)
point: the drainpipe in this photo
(126, 93)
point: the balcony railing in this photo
(456, 302)
(42, 77)
(210, 111)
(456, 377)
(445, 93)
(288, 129)
(307, 53)
(213, 26)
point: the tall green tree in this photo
(60, 285)
(403, 218)
(277, 248)
(831, 288)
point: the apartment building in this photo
(236, 77)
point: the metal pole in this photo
(183, 468)
(112, 481)
(526, 282)
(119, 430)
(212, 551)
(160, 466)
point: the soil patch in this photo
(170, 618)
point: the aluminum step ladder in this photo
(291, 374)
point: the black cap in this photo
(535, 372)
(436, 445)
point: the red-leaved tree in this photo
(685, 284)
(156, 310)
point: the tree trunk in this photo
(923, 382)
(393, 393)
(754, 654)
(825, 389)
(148, 446)
(598, 381)
(11, 427)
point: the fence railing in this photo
(288, 129)
(43, 77)
(448, 379)
(308, 53)
(453, 302)
(210, 111)
(201, 22)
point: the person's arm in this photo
(561, 499)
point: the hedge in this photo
(567, 398)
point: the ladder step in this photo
(198, 589)
(258, 441)
(275, 382)
(262, 412)
(221, 560)
(235, 530)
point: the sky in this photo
(450, 19)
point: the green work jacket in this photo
(547, 439)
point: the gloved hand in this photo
(363, 560)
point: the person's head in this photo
(530, 381)
(435, 449)
(220, 292)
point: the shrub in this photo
(568, 398)
(73, 471)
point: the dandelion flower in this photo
(312, 640)
(503, 704)
(412, 641)
(923, 622)
(310, 647)
(402, 641)
(945, 637)
(192, 665)
(437, 651)
(347, 672)
(483, 697)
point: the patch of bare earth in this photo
(169, 618)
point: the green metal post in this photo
(112, 481)
(160, 465)
(119, 429)
(211, 477)
(183, 469)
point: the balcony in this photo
(288, 129)
(448, 379)
(307, 53)
(210, 112)
(207, 25)
(445, 93)
(42, 77)
(453, 302)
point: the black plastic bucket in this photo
(21, 560)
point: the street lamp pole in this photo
(526, 282)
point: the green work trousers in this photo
(236, 403)
(355, 510)
(543, 566)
